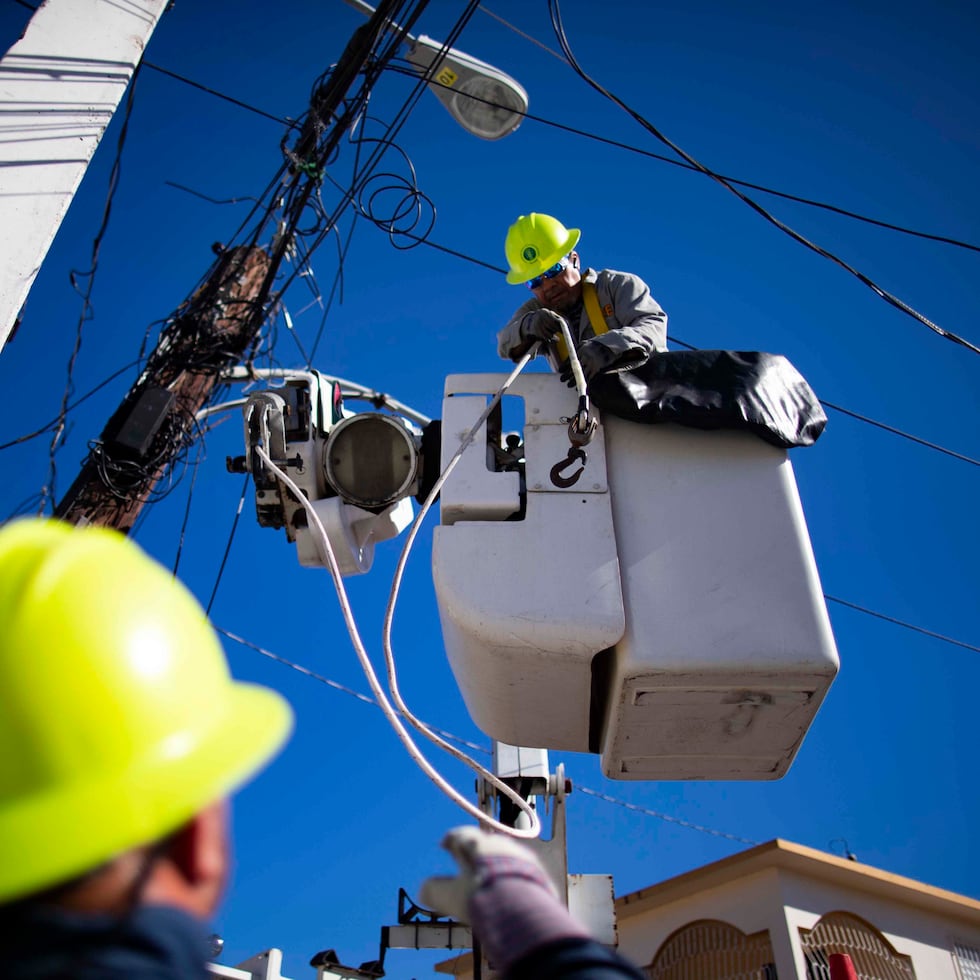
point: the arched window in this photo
(713, 950)
(874, 958)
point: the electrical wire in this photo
(220, 95)
(399, 573)
(555, 12)
(231, 538)
(48, 491)
(649, 154)
(55, 421)
(475, 747)
(337, 686)
(682, 343)
(665, 816)
(786, 195)
(898, 432)
(390, 713)
(903, 624)
(187, 509)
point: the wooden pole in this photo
(156, 419)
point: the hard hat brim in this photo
(517, 276)
(79, 823)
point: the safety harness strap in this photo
(592, 308)
(591, 297)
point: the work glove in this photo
(503, 891)
(540, 325)
(594, 358)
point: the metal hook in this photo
(557, 477)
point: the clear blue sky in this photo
(868, 106)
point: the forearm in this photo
(573, 959)
(510, 343)
(642, 321)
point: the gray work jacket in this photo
(637, 324)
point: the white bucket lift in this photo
(664, 611)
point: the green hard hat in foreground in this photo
(535, 242)
(119, 719)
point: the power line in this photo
(681, 343)
(585, 134)
(899, 432)
(290, 123)
(595, 137)
(50, 425)
(664, 816)
(888, 297)
(473, 746)
(363, 698)
(87, 312)
(903, 624)
(810, 202)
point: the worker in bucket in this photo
(614, 322)
(122, 734)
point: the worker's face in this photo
(562, 291)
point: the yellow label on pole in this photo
(447, 76)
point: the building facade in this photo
(780, 910)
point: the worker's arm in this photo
(506, 895)
(531, 323)
(638, 323)
(574, 959)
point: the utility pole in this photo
(156, 419)
(210, 332)
(59, 85)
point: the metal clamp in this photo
(583, 425)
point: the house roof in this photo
(786, 856)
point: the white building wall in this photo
(751, 904)
(782, 903)
(924, 936)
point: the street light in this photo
(484, 100)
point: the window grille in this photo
(967, 961)
(874, 958)
(713, 950)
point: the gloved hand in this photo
(594, 358)
(540, 325)
(504, 892)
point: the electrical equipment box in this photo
(664, 610)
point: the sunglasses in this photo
(556, 270)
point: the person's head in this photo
(541, 254)
(122, 729)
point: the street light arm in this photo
(484, 100)
(366, 8)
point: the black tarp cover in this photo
(716, 389)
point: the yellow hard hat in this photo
(535, 242)
(119, 719)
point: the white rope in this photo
(577, 373)
(323, 543)
(396, 586)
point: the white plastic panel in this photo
(682, 557)
(728, 649)
(526, 604)
(591, 901)
(473, 491)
